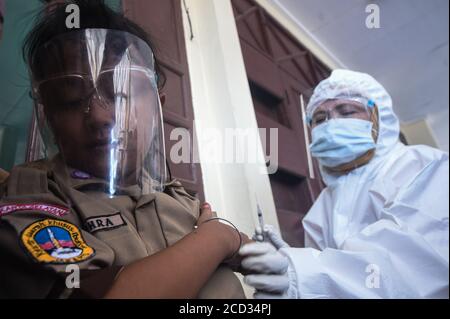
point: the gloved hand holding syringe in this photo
(267, 233)
(268, 270)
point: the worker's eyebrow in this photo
(344, 105)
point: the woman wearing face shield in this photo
(380, 227)
(100, 208)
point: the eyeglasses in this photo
(342, 110)
(73, 92)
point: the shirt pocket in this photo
(119, 234)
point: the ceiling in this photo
(408, 54)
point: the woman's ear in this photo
(162, 98)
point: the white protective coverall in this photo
(380, 231)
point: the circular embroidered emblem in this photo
(55, 241)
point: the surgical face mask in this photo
(341, 141)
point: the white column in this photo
(222, 100)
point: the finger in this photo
(268, 228)
(275, 237)
(205, 213)
(253, 249)
(258, 237)
(277, 284)
(266, 264)
(206, 207)
(246, 240)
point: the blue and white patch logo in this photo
(55, 241)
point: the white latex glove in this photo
(271, 274)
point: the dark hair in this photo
(51, 22)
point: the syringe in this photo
(260, 236)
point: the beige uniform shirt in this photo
(52, 216)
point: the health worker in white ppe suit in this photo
(380, 227)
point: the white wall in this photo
(419, 133)
(438, 122)
(222, 99)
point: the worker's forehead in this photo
(333, 103)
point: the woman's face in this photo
(113, 117)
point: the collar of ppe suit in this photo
(366, 85)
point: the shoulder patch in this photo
(54, 210)
(54, 241)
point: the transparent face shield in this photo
(98, 101)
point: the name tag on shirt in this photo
(108, 222)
